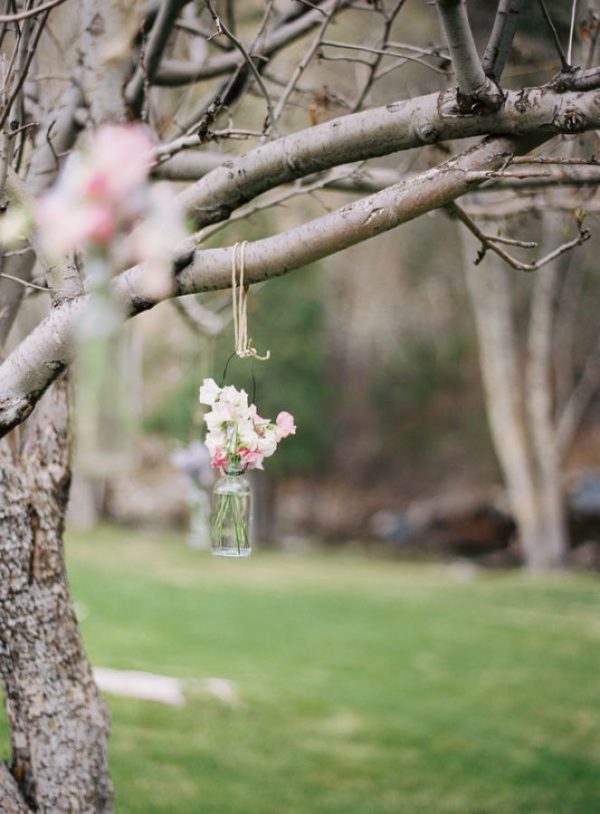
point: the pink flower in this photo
(100, 191)
(285, 425)
(251, 458)
(119, 160)
(65, 226)
(219, 459)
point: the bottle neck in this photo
(234, 470)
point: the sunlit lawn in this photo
(366, 687)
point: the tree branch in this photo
(501, 38)
(33, 12)
(489, 242)
(475, 89)
(177, 72)
(157, 40)
(564, 62)
(48, 349)
(578, 402)
(247, 58)
(380, 131)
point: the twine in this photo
(239, 302)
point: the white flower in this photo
(247, 434)
(236, 398)
(268, 443)
(215, 439)
(209, 392)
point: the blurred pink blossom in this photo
(219, 459)
(285, 425)
(251, 458)
(100, 191)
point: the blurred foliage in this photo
(425, 387)
(286, 316)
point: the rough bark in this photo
(57, 718)
(489, 289)
(535, 112)
(107, 30)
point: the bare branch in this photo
(501, 38)
(301, 67)
(475, 89)
(579, 401)
(33, 12)
(572, 31)
(24, 282)
(249, 61)
(201, 319)
(564, 62)
(157, 40)
(176, 72)
(45, 352)
(489, 242)
(380, 131)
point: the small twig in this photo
(482, 175)
(301, 67)
(542, 159)
(572, 32)
(510, 241)
(23, 76)
(24, 283)
(564, 60)
(489, 243)
(240, 46)
(24, 15)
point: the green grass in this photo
(366, 687)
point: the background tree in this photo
(204, 74)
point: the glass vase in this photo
(231, 515)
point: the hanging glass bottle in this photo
(231, 516)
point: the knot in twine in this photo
(239, 301)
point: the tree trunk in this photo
(531, 499)
(541, 402)
(58, 720)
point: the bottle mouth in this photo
(235, 469)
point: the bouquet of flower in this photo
(237, 439)
(237, 436)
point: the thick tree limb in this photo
(475, 89)
(380, 131)
(48, 349)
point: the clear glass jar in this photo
(231, 516)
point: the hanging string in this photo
(239, 301)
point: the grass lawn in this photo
(366, 687)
